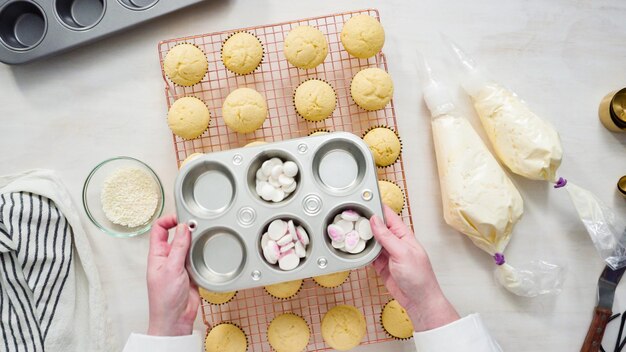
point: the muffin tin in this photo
(31, 30)
(215, 195)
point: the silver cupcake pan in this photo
(33, 29)
(215, 195)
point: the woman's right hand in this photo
(405, 270)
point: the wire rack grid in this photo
(276, 80)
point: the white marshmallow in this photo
(291, 230)
(259, 187)
(287, 247)
(289, 261)
(302, 235)
(364, 229)
(276, 161)
(264, 239)
(290, 188)
(290, 169)
(358, 248)
(345, 225)
(260, 176)
(336, 218)
(350, 215)
(266, 167)
(352, 240)
(338, 245)
(300, 250)
(277, 170)
(279, 195)
(284, 180)
(274, 182)
(285, 240)
(271, 252)
(277, 229)
(267, 192)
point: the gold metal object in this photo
(621, 186)
(612, 111)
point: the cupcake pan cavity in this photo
(34, 29)
(229, 225)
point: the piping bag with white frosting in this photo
(478, 197)
(530, 147)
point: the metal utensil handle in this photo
(593, 340)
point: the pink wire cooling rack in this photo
(276, 80)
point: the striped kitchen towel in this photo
(50, 294)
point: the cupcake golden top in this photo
(288, 333)
(332, 280)
(242, 53)
(391, 195)
(284, 289)
(188, 117)
(384, 145)
(362, 36)
(371, 88)
(244, 110)
(226, 338)
(305, 47)
(343, 327)
(185, 64)
(396, 321)
(216, 297)
(315, 100)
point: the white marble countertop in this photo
(72, 111)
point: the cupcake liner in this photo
(380, 320)
(343, 282)
(401, 190)
(222, 53)
(293, 99)
(286, 298)
(267, 332)
(207, 126)
(319, 130)
(219, 304)
(205, 72)
(397, 135)
(222, 323)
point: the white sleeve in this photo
(466, 334)
(147, 343)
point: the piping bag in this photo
(530, 147)
(479, 199)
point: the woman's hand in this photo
(173, 298)
(405, 270)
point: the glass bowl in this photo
(93, 187)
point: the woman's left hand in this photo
(172, 297)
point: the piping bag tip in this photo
(464, 59)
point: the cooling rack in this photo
(276, 80)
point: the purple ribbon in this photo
(499, 258)
(560, 183)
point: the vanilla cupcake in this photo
(343, 327)
(242, 53)
(244, 110)
(305, 47)
(391, 195)
(288, 333)
(396, 321)
(319, 132)
(226, 337)
(188, 117)
(363, 36)
(315, 100)
(185, 64)
(384, 144)
(371, 88)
